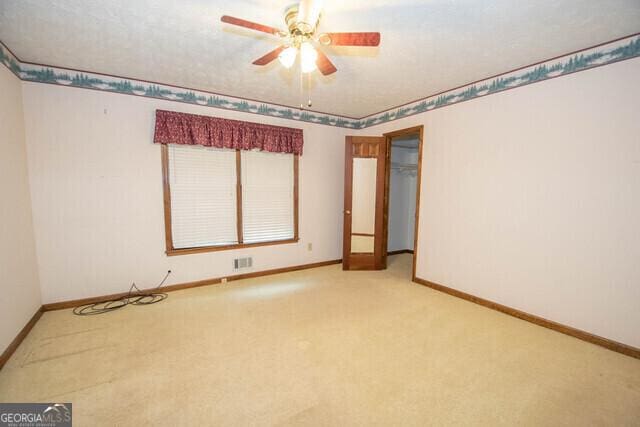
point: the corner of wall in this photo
(20, 285)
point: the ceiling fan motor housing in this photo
(296, 27)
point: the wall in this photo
(18, 269)
(402, 201)
(96, 185)
(531, 198)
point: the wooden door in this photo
(364, 182)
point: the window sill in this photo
(186, 251)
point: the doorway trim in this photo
(389, 136)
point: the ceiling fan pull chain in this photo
(301, 89)
(309, 89)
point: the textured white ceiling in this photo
(427, 46)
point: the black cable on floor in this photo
(134, 297)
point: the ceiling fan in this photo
(302, 21)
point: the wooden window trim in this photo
(239, 230)
(171, 251)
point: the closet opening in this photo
(402, 196)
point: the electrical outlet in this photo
(309, 247)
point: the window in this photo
(217, 199)
(267, 196)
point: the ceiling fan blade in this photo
(350, 39)
(325, 66)
(264, 60)
(248, 24)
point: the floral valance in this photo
(191, 129)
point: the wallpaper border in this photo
(9, 60)
(585, 59)
(40, 73)
(606, 53)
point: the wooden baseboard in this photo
(74, 303)
(401, 251)
(568, 330)
(20, 337)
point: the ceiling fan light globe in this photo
(288, 56)
(308, 57)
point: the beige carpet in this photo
(319, 347)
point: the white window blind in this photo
(267, 196)
(202, 183)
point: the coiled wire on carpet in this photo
(135, 296)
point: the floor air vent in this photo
(240, 263)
